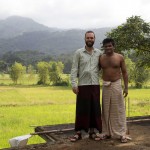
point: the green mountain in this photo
(21, 34)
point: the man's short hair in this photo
(108, 40)
(89, 32)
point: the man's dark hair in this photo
(108, 40)
(90, 32)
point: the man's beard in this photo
(89, 44)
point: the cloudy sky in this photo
(76, 13)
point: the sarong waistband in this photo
(108, 83)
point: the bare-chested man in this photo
(113, 109)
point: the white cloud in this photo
(76, 13)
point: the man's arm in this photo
(125, 76)
(99, 64)
(74, 72)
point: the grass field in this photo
(23, 106)
(26, 79)
(16, 121)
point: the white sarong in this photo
(113, 109)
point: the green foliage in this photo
(141, 75)
(133, 35)
(31, 73)
(55, 71)
(17, 71)
(43, 72)
(138, 75)
(30, 69)
(65, 81)
(51, 72)
(130, 68)
(66, 59)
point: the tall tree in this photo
(17, 71)
(31, 72)
(43, 72)
(130, 69)
(141, 76)
(55, 71)
(133, 35)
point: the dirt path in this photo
(139, 131)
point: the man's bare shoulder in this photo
(119, 55)
(102, 55)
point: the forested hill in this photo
(25, 41)
(21, 34)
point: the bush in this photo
(62, 83)
(40, 82)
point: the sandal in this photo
(104, 137)
(76, 137)
(125, 139)
(93, 136)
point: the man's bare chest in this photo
(110, 63)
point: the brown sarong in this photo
(113, 109)
(88, 111)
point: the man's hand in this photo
(75, 90)
(125, 92)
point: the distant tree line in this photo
(31, 57)
(48, 73)
(51, 73)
